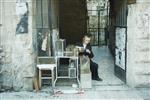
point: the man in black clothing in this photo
(86, 50)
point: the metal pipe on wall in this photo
(1, 8)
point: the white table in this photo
(63, 77)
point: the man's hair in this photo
(88, 35)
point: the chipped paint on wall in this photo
(22, 12)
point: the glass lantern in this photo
(60, 46)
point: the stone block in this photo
(28, 84)
(143, 81)
(1, 49)
(84, 65)
(138, 58)
(85, 73)
(86, 81)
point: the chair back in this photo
(46, 60)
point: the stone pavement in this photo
(111, 88)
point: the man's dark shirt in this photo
(88, 47)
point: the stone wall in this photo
(1, 62)
(19, 44)
(138, 44)
(19, 25)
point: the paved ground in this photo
(111, 88)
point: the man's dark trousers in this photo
(94, 69)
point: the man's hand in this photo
(88, 51)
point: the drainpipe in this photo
(98, 27)
(42, 13)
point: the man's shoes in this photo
(97, 79)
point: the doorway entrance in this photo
(111, 19)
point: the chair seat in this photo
(46, 66)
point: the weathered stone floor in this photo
(111, 88)
(106, 67)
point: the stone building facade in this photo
(138, 44)
(20, 20)
(20, 53)
(136, 71)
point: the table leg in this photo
(78, 74)
(40, 79)
(52, 72)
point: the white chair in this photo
(46, 64)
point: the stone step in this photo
(2, 54)
(1, 49)
(111, 88)
(1, 57)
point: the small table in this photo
(75, 58)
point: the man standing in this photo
(86, 50)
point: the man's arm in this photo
(89, 51)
